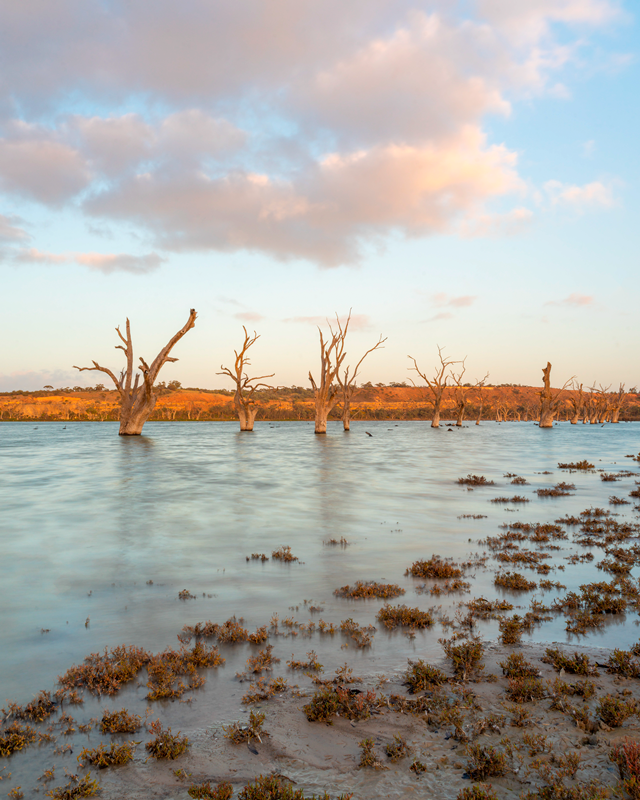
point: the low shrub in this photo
(613, 711)
(421, 676)
(362, 590)
(485, 762)
(434, 567)
(392, 616)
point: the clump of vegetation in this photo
(517, 666)
(112, 756)
(105, 673)
(274, 787)
(478, 792)
(368, 757)
(435, 567)
(284, 554)
(166, 744)
(85, 787)
(239, 733)
(626, 756)
(329, 701)
(398, 749)
(448, 587)
(231, 632)
(578, 664)
(259, 557)
(487, 609)
(511, 629)
(514, 581)
(363, 590)
(333, 542)
(392, 616)
(622, 662)
(205, 791)
(311, 663)
(421, 676)
(15, 737)
(264, 690)
(264, 660)
(207, 628)
(465, 656)
(185, 594)
(361, 635)
(613, 711)
(41, 707)
(517, 498)
(417, 766)
(577, 465)
(475, 480)
(119, 722)
(165, 668)
(585, 689)
(485, 762)
(525, 690)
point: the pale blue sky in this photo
(462, 174)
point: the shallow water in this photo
(99, 532)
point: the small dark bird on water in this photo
(368, 434)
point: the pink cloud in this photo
(440, 299)
(249, 316)
(358, 322)
(574, 300)
(106, 263)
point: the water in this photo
(100, 532)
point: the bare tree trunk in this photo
(332, 354)
(546, 399)
(138, 401)
(437, 384)
(245, 386)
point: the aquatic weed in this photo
(434, 567)
(15, 737)
(514, 581)
(112, 756)
(392, 616)
(366, 589)
(284, 554)
(475, 480)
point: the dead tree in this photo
(459, 393)
(479, 386)
(332, 354)
(549, 401)
(137, 401)
(245, 386)
(347, 383)
(577, 403)
(617, 404)
(437, 384)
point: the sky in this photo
(459, 174)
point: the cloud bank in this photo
(307, 130)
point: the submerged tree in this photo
(332, 354)
(137, 401)
(347, 383)
(549, 401)
(577, 402)
(617, 404)
(245, 386)
(437, 384)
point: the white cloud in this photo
(594, 194)
(574, 300)
(9, 230)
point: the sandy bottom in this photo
(318, 757)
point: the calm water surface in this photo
(100, 533)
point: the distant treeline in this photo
(371, 402)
